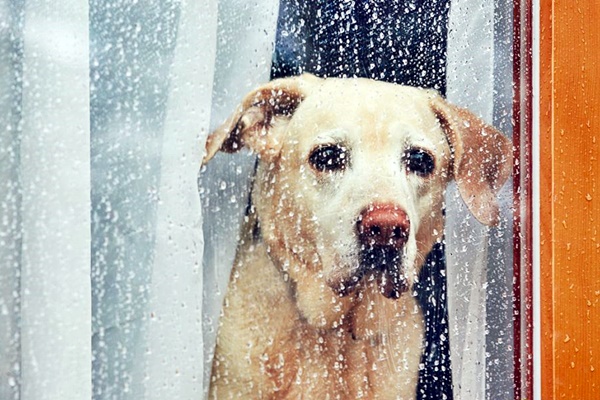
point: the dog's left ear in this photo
(252, 123)
(482, 158)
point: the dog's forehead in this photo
(342, 109)
(367, 97)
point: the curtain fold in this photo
(11, 45)
(174, 332)
(132, 47)
(244, 51)
(470, 84)
(480, 258)
(54, 171)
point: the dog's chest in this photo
(267, 349)
(334, 365)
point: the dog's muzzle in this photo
(382, 232)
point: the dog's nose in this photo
(383, 225)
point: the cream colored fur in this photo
(286, 332)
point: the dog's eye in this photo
(329, 158)
(419, 161)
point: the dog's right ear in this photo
(251, 124)
(482, 158)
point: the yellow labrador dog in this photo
(347, 201)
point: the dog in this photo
(347, 201)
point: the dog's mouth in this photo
(382, 233)
(379, 265)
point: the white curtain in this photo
(10, 221)
(46, 202)
(174, 341)
(105, 108)
(479, 259)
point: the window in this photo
(115, 252)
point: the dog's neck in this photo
(353, 314)
(265, 321)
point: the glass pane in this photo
(364, 199)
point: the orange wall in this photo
(570, 198)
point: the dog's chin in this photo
(380, 266)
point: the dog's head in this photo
(350, 185)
